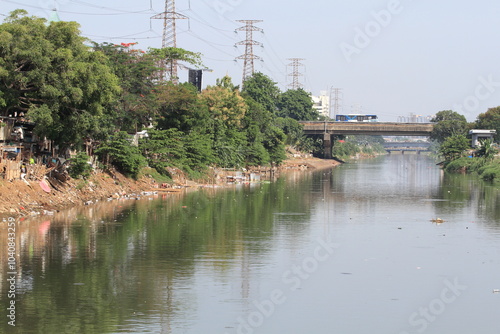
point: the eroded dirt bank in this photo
(26, 198)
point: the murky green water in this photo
(352, 250)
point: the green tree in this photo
(265, 133)
(179, 107)
(448, 123)
(119, 152)
(262, 90)
(171, 54)
(487, 150)
(163, 148)
(297, 104)
(47, 71)
(454, 147)
(173, 148)
(79, 166)
(292, 128)
(274, 142)
(255, 124)
(135, 69)
(490, 120)
(226, 109)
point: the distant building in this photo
(478, 134)
(412, 118)
(322, 104)
(195, 77)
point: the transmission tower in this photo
(295, 72)
(169, 16)
(336, 100)
(248, 57)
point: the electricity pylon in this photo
(248, 57)
(169, 16)
(295, 73)
(336, 98)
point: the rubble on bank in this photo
(45, 191)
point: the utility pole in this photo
(248, 57)
(336, 100)
(169, 16)
(295, 63)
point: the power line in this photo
(277, 68)
(81, 13)
(274, 51)
(208, 42)
(211, 6)
(83, 3)
(131, 36)
(204, 22)
(216, 48)
(281, 75)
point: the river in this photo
(376, 246)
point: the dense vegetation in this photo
(354, 145)
(451, 133)
(95, 96)
(91, 98)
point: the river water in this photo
(348, 250)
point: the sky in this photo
(389, 57)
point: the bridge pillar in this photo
(327, 146)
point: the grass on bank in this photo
(347, 149)
(487, 169)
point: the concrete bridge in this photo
(327, 129)
(407, 147)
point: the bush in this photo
(79, 166)
(158, 177)
(345, 150)
(120, 153)
(490, 172)
(454, 147)
(459, 164)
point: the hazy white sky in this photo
(392, 57)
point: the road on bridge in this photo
(328, 129)
(368, 128)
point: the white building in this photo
(322, 103)
(477, 135)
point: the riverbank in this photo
(30, 198)
(486, 169)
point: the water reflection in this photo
(467, 192)
(198, 262)
(87, 270)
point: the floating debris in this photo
(438, 220)
(496, 290)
